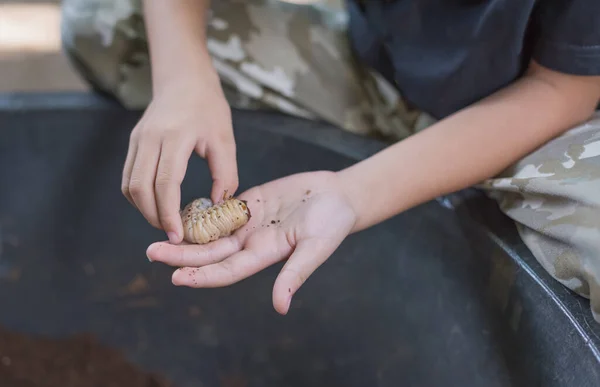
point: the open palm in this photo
(302, 218)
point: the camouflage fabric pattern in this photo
(293, 58)
(106, 42)
(296, 59)
(553, 195)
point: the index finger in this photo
(239, 266)
(193, 255)
(174, 156)
(222, 162)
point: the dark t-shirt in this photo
(444, 55)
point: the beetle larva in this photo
(204, 222)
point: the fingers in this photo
(152, 176)
(222, 162)
(156, 165)
(141, 182)
(193, 255)
(306, 258)
(239, 266)
(174, 156)
(127, 168)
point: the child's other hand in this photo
(302, 217)
(186, 115)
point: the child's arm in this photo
(176, 32)
(464, 149)
(470, 146)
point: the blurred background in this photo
(31, 58)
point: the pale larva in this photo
(204, 222)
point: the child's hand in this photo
(183, 117)
(304, 217)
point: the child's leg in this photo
(554, 197)
(270, 55)
(106, 42)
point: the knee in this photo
(98, 37)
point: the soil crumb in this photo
(138, 285)
(194, 311)
(78, 360)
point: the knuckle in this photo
(180, 256)
(235, 182)
(166, 220)
(136, 188)
(163, 179)
(152, 137)
(226, 140)
(175, 133)
(297, 276)
(149, 135)
(230, 271)
(151, 219)
(222, 136)
(202, 277)
(222, 111)
(227, 266)
(201, 256)
(134, 136)
(154, 223)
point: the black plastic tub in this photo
(442, 295)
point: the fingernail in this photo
(288, 305)
(172, 237)
(148, 253)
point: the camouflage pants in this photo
(296, 59)
(553, 195)
(269, 54)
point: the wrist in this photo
(378, 189)
(196, 73)
(352, 189)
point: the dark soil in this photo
(28, 361)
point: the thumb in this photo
(222, 162)
(306, 258)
